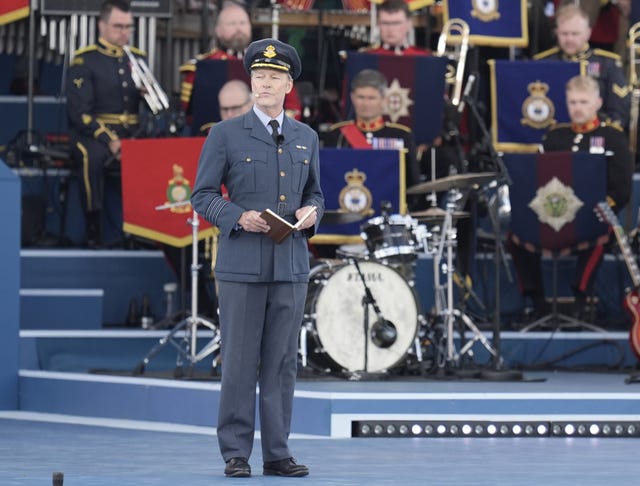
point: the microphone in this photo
(467, 91)
(280, 140)
(383, 333)
(58, 479)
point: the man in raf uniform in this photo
(585, 133)
(266, 160)
(103, 105)
(573, 32)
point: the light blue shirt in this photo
(265, 119)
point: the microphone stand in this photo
(498, 371)
(388, 327)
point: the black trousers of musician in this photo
(528, 268)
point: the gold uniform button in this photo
(306, 161)
(280, 150)
(283, 197)
(122, 118)
(248, 159)
(282, 174)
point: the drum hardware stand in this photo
(445, 306)
(187, 346)
(383, 332)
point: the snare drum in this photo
(335, 308)
(390, 236)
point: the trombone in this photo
(454, 44)
(145, 81)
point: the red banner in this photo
(157, 180)
(12, 10)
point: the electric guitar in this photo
(631, 300)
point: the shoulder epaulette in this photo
(83, 50)
(341, 124)
(547, 53)
(188, 66)
(613, 124)
(398, 125)
(560, 125)
(603, 53)
(205, 55)
(137, 51)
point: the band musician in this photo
(394, 24)
(573, 32)
(103, 107)
(585, 133)
(232, 36)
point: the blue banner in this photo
(527, 98)
(420, 109)
(357, 181)
(491, 23)
(552, 199)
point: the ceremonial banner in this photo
(491, 23)
(211, 74)
(158, 173)
(12, 10)
(552, 199)
(527, 98)
(416, 90)
(357, 181)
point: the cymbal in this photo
(340, 217)
(456, 181)
(436, 215)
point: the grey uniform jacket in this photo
(258, 174)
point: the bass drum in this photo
(335, 309)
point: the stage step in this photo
(121, 276)
(61, 308)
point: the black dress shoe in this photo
(285, 467)
(237, 467)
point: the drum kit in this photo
(362, 316)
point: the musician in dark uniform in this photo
(265, 159)
(394, 24)
(232, 36)
(573, 32)
(585, 133)
(103, 106)
(369, 129)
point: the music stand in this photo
(552, 205)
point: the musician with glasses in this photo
(103, 107)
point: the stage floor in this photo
(108, 451)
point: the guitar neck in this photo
(628, 255)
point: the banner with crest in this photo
(357, 181)
(491, 22)
(552, 199)
(211, 74)
(527, 98)
(12, 10)
(157, 180)
(420, 109)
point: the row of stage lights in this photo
(398, 428)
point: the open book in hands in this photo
(281, 228)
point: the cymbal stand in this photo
(187, 346)
(448, 238)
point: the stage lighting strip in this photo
(484, 429)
